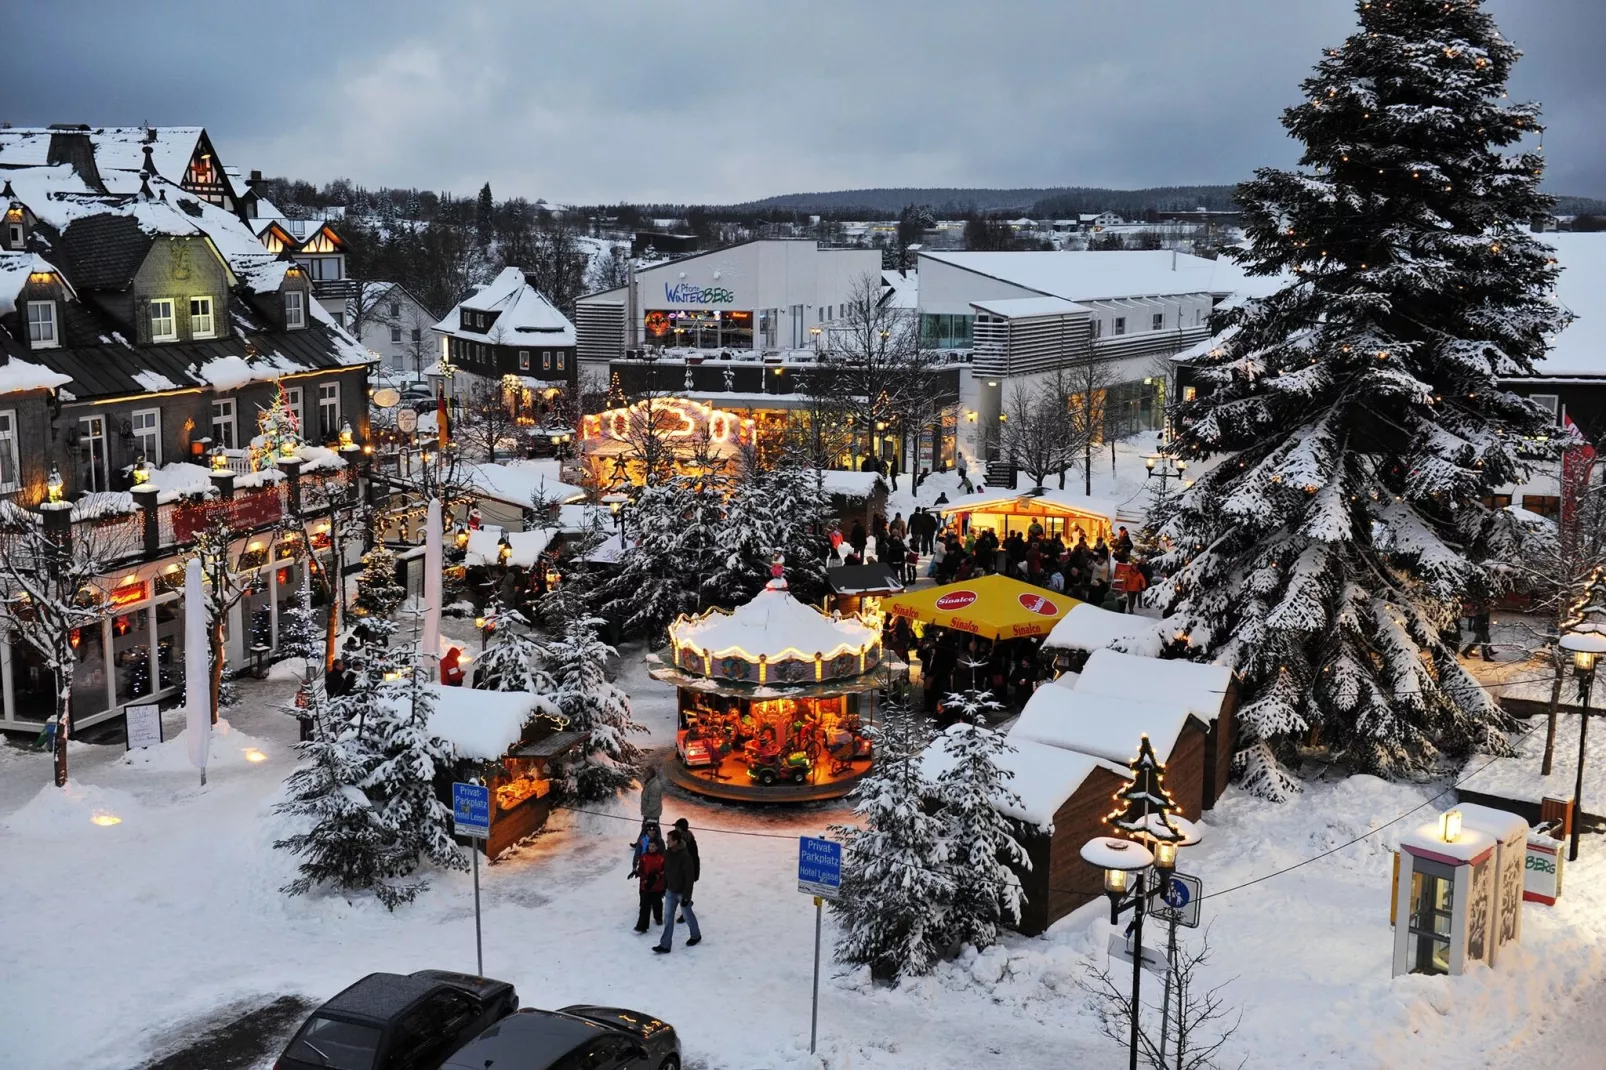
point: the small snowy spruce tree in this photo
(1359, 411)
(896, 884)
(344, 846)
(301, 633)
(607, 762)
(509, 661)
(411, 774)
(378, 593)
(981, 840)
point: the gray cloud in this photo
(719, 100)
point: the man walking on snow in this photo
(678, 880)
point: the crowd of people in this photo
(664, 866)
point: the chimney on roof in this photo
(71, 145)
(69, 127)
(7, 192)
(149, 166)
(150, 136)
(256, 176)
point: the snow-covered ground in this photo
(121, 937)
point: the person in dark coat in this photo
(683, 827)
(858, 539)
(651, 870)
(679, 876)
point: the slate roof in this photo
(105, 251)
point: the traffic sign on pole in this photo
(1177, 900)
(471, 810)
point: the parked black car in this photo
(390, 1020)
(575, 1038)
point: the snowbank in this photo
(229, 747)
(1517, 777)
(77, 811)
(519, 485)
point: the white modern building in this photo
(1023, 315)
(397, 328)
(763, 295)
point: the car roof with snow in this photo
(380, 996)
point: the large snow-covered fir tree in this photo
(783, 511)
(896, 881)
(608, 761)
(1359, 408)
(981, 841)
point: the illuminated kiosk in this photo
(774, 699)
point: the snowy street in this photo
(173, 915)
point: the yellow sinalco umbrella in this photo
(996, 607)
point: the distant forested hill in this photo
(1047, 201)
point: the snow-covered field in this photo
(120, 938)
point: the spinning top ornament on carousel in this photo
(777, 568)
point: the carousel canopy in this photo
(995, 607)
(774, 639)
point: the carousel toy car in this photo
(767, 767)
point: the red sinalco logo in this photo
(1036, 603)
(955, 600)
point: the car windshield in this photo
(333, 1043)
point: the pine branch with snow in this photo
(608, 761)
(378, 593)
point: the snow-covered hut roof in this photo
(1090, 627)
(1064, 500)
(1471, 844)
(1105, 726)
(483, 725)
(525, 316)
(849, 484)
(775, 625)
(485, 546)
(518, 485)
(1042, 778)
(1199, 688)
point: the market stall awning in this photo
(995, 607)
(875, 578)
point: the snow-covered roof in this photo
(1469, 845)
(231, 373)
(117, 148)
(1090, 627)
(485, 546)
(849, 484)
(1580, 349)
(1043, 777)
(1105, 726)
(15, 268)
(1199, 688)
(525, 316)
(1093, 276)
(1064, 499)
(1027, 307)
(18, 376)
(904, 287)
(518, 484)
(775, 625)
(483, 725)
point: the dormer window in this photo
(164, 328)
(14, 236)
(201, 317)
(42, 332)
(295, 310)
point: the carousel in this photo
(774, 699)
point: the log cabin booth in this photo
(510, 739)
(774, 699)
(1059, 512)
(1087, 628)
(857, 590)
(1057, 801)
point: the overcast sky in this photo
(726, 100)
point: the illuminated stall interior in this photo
(1059, 513)
(774, 699)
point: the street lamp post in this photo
(1126, 867)
(1165, 467)
(1587, 644)
(616, 505)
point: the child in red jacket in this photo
(651, 868)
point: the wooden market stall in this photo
(1058, 512)
(774, 699)
(856, 589)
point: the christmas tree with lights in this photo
(279, 426)
(1358, 414)
(1144, 803)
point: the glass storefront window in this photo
(170, 643)
(700, 328)
(89, 677)
(33, 686)
(131, 655)
(944, 331)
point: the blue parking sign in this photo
(471, 810)
(819, 866)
